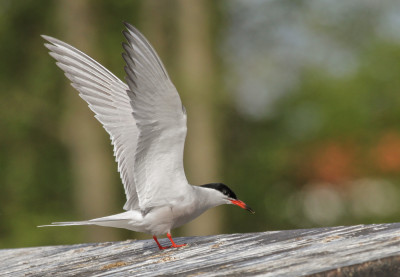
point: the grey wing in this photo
(108, 98)
(161, 119)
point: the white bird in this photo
(146, 122)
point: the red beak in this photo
(242, 205)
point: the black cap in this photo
(224, 189)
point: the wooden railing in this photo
(362, 250)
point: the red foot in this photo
(178, 245)
(173, 244)
(159, 245)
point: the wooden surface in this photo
(362, 250)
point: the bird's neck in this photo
(206, 198)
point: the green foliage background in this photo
(273, 163)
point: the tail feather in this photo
(68, 223)
(131, 220)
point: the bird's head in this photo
(227, 195)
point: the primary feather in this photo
(108, 98)
(161, 120)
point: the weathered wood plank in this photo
(335, 251)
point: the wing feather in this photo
(161, 120)
(145, 119)
(107, 96)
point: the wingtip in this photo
(50, 39)
(126, 34)
(45, 37)
(129, 26)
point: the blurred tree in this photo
(91, 155)
(197, 85)
(34, 168)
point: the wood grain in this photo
(362, 250)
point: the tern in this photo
(146, 121)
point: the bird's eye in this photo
(225, 192)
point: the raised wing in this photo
(161, 119)
(108, 97)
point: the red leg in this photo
(173, 243)
(159, 245)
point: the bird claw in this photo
(172, 246)
(180, 245)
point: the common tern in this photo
(146, 121)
